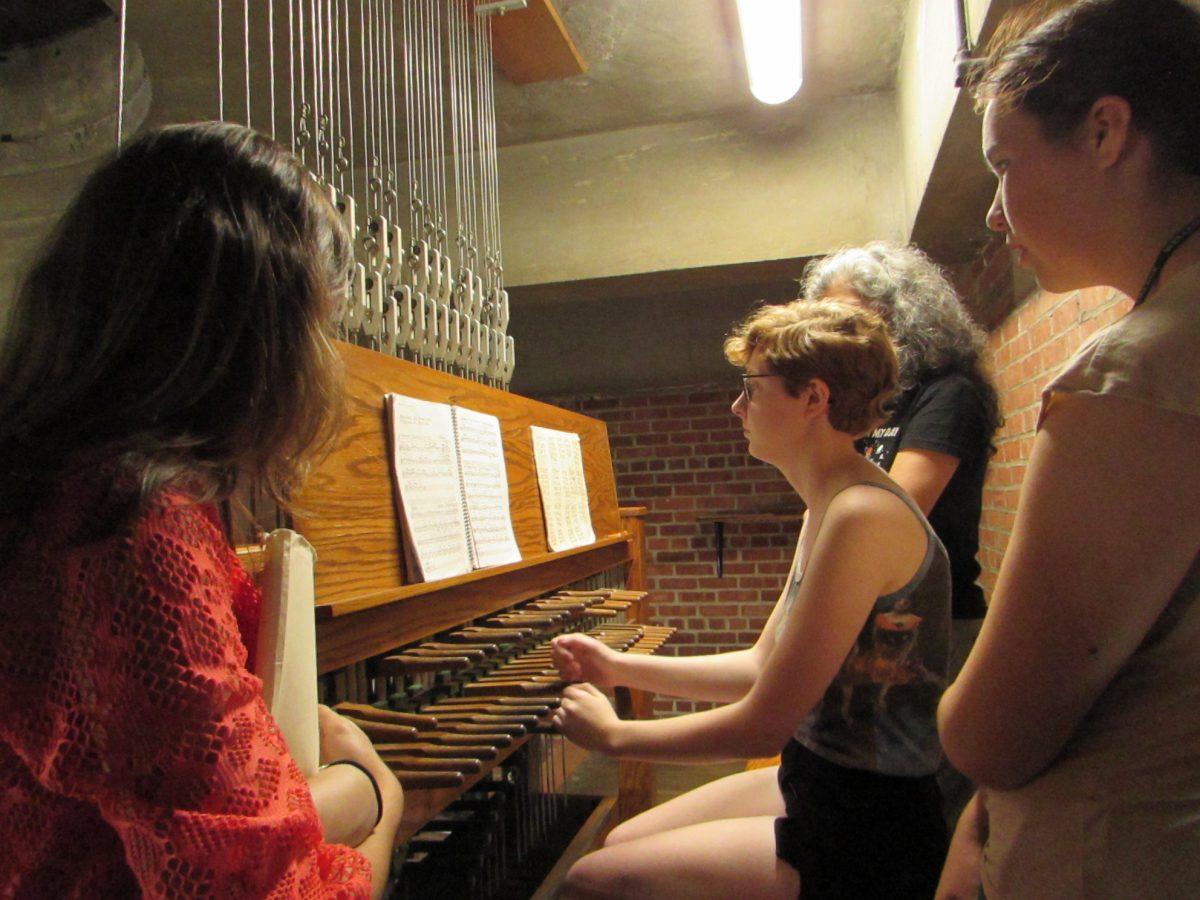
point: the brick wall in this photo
(1026, 350)
(681, 453)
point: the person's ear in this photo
(1107, 130)
(816, 395)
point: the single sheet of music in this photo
(485, 488)
(558, 456)
(426, 473)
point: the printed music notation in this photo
(558, 457)
(485, 487)
(448, 469)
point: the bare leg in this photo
(721, 858)
(752, 793)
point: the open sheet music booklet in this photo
(451, 486)
(559, 460)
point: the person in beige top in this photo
(1079, 708)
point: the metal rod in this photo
(121, 77)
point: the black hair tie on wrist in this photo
(370, 778)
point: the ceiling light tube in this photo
(771, 40)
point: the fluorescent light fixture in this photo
(771, 39)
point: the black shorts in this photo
(856, 834)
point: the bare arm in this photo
(381, 843)
(923, 474)
(1107, 514)
(346, 802)
(961, 874)
(840, 585)
(720, 677)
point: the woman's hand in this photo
(586, 718)
(582, 658)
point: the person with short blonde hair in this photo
(848, 350)
(845, 676)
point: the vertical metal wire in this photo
(393, 123)
(367, 51)
(366, 143)
(437, 123)
(335, 96)
(221, 60)
(453, 73)
(409, 114)
(121, 76)
(318, 109)
(494, 153)
(292, 68)
(301, 131)
(349, 97)
(271, 58)
(246, 53)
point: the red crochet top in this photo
(136, 753)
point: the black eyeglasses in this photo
(748, 383)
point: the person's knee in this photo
(626, 831)
(591, 878)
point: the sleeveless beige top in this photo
(1117, 814)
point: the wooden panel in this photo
(633, 520)
(346, 639)
(635, 786)
(347, 508)
(532, 44)
(488, 585)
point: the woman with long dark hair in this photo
(168, 347)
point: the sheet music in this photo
(558, 456)
(424, 464)
(286, 659)
(485, 488)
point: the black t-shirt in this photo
(946, 414)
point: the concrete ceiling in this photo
(660, 61)
(649, 61)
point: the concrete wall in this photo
(925, 93)
(788, 182)
(627, 343)
(58, 116)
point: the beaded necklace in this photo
(1163, 255)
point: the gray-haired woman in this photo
(938, 440)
